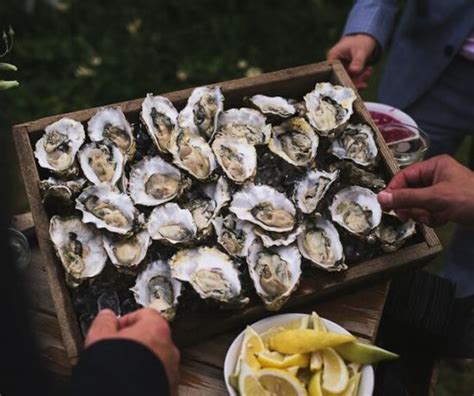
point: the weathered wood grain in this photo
(291, 83)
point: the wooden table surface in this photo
(201, 364)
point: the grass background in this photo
(75, 54)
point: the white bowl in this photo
(366, 386)
(399, 115)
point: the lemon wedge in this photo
(277, 360)
(317, 322)
(251, 345)
(335, 375)
(293, 370)
(316, 361)
(301, 323)
(279, 382)
(306, 340)
(358, 352)
(249, 385)
(352, 388)
(314, 387)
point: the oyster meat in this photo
(311, 189)
(392, 232)
(211, 273)
(270, 239)
(153, 181)
(237, 158)
(56, 149)
(351, 173)
(155, 288)
(78, 246)
(273, 105)
(248, 124)
(264, 206)
(106, 207)
(110, 125)
(357, 144)
(295, 141)
(202, 111)
(171, 223)
(159, 116)
(329, 107)
(356, 209)
(127, 252)
(62, 192)
(192, 153)
(234, 235)
(275, 273)
(320, 244)
(101, 162)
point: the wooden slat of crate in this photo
(291, 83)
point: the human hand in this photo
(432, 192)
(354, 51)
(145, 326)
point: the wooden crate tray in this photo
(195, 326)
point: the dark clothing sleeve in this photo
(119, 367)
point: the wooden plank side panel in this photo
(62, 304)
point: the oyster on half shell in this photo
(275, 273)
(245, 123)
(109, 124)
(210, 272)
(159, 116)
(311, 189)
(320, 244)
(264, 206)
(234, 235)
(56, 149)
(127, 252)
(79, 247)
(329, 107)
(295, 141)
(392, 232)
(356, 209)
(202, 111)
(106, 207)
(101, 162)
(273, 105)
(171, 223)
(155, 288)
(270, 239)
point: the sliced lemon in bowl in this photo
(358, 352)
(277, 360)
(314, 387)
(300, 323)
(335, 374)
(251, 345)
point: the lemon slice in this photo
(358, 352)
(316, 361)
(352, 388)
(277, 360)
(317, 322)
(279, 382)
(314, 387)
(249, 385)
(335, 375)
(293, 370)
(301, 323)
(251, 345)
(306, 340)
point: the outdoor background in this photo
(78, 54)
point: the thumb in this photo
(104, 326)
(407, 198)
(357, 63)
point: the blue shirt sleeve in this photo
(373, 17)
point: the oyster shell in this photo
(275, 273)
(60, 192)
(155, 288)
(311, 189)
(106, 207)
(320, 244)
(78, 246)
(56, 149)
(234, 235)
(192, 153)
(329, 107)
(202, 111)
(357, 144)
(273, 105)
(237, 158)
(160, 117)
(356, 209)
(264, 206)
(211, 273)
(355, 175)
(153, 181)
(171, 223)
(129, 251)
(101, 162)
(109, 124)
(295, 141)
(392, 232)
(244, 123)
(270, 239)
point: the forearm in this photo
(373, 17)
